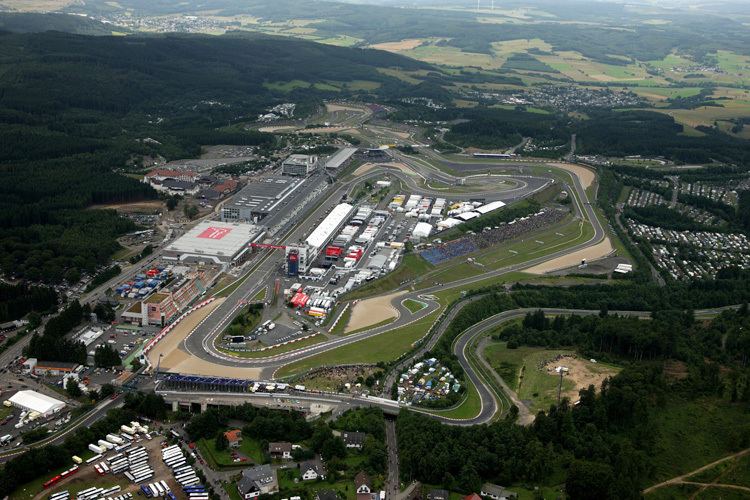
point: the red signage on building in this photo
(215, 233)
(292, 257)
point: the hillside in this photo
(74, 108)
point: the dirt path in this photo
(681, 479)
(372, 311)
(601, 249)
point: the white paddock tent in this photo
(34, 401)
(326, 229)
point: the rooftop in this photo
(155, 299)
(263, 194)
(215, 238)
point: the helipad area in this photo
(34, 401)
(214, 242)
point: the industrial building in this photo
(299, 165)
(33, 401)
(54, 368)
(256, 200)
(213, 242)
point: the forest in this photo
(604, 447)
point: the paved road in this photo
(392, 479)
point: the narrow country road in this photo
(681, 479)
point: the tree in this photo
(588, 480)
(190, 211)
(107, 390)
(222, 443)
(72, 276)
(71, 386)
(106, 356)
(171, 203)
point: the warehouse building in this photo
(54, 368)
(328, 227)
(256, 200)
(213, 242)
(34, 401)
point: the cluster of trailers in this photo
(158, 489)
(144, 284)
(184, 474)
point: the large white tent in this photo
(35, 401)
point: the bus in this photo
(146, 491)
(175, 435)
(93, 459)
(52, 481)
(77, 460)
(164, 486)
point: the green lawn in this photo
(277, 350)
(414, 306)
(260, 295)
(222, 460)
(384, 347)
(231, 489)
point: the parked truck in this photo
(96, 449)
(105, 444)
(113, 438)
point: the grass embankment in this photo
(276, 350)
(342, 322)
(372, 327)
(344, 488)
(412, 266)
(384, 347)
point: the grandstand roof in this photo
(330, 224)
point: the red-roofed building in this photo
(473, 496)
(234, 437)
(226, 187)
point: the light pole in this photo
(158, 365)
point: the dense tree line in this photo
(507, 129)
(649, 133)
(52, 344)
(667, 218)
(16, 301)
(669, 335)
(601, 446)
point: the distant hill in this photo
(21, 22)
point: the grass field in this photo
(520, 368)
(342, 322)
(693, 434)
(414, 306)
(371, 327)
(277, 350)
(384, 347)
(260, 295)
(223, 460)
(673, 492)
